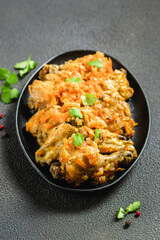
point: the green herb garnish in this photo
(88, 99)
(5, 86)
(75, 112)
(133, 207)
(8, 94)
(74, 79)
(4, 72)
(96, 134)
(96, 63)
(25, 66)
(12, 79)
(121, 213)
(78, 139)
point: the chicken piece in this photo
(112, 142)
(77, 164)
(43, 121)
(119, 77)
(48, 69)
(49, 151)
(112, 163)
(42, 95)
(117, 116)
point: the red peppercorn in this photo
(1, 127)
(138, 213)
(1, 115)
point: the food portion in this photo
(82, 122)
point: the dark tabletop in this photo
(128, 30)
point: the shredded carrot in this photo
(41, 153)
(81, 163)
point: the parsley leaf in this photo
(8, 95)
(133, 207)
(121, 213)
(22, 72)
(14, 93)
(75, 112)
(74, 79)
(20, 65)
(5, 86)
(96, 134)
(32, 64)
(25, 66)
(5, 96)
(4, 72)
(12, 79)
(78, 139)
(88, 99)
(96, 63)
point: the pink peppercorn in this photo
(1, 127)
(1, 115)
(138, 213)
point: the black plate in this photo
(139, 109)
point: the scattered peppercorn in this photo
(1, 115)
(138, 213)
(127, 224)
(4, 134)
(1, 127)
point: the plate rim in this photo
(29, 159)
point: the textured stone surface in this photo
(129, 31)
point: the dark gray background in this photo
(129, 31)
